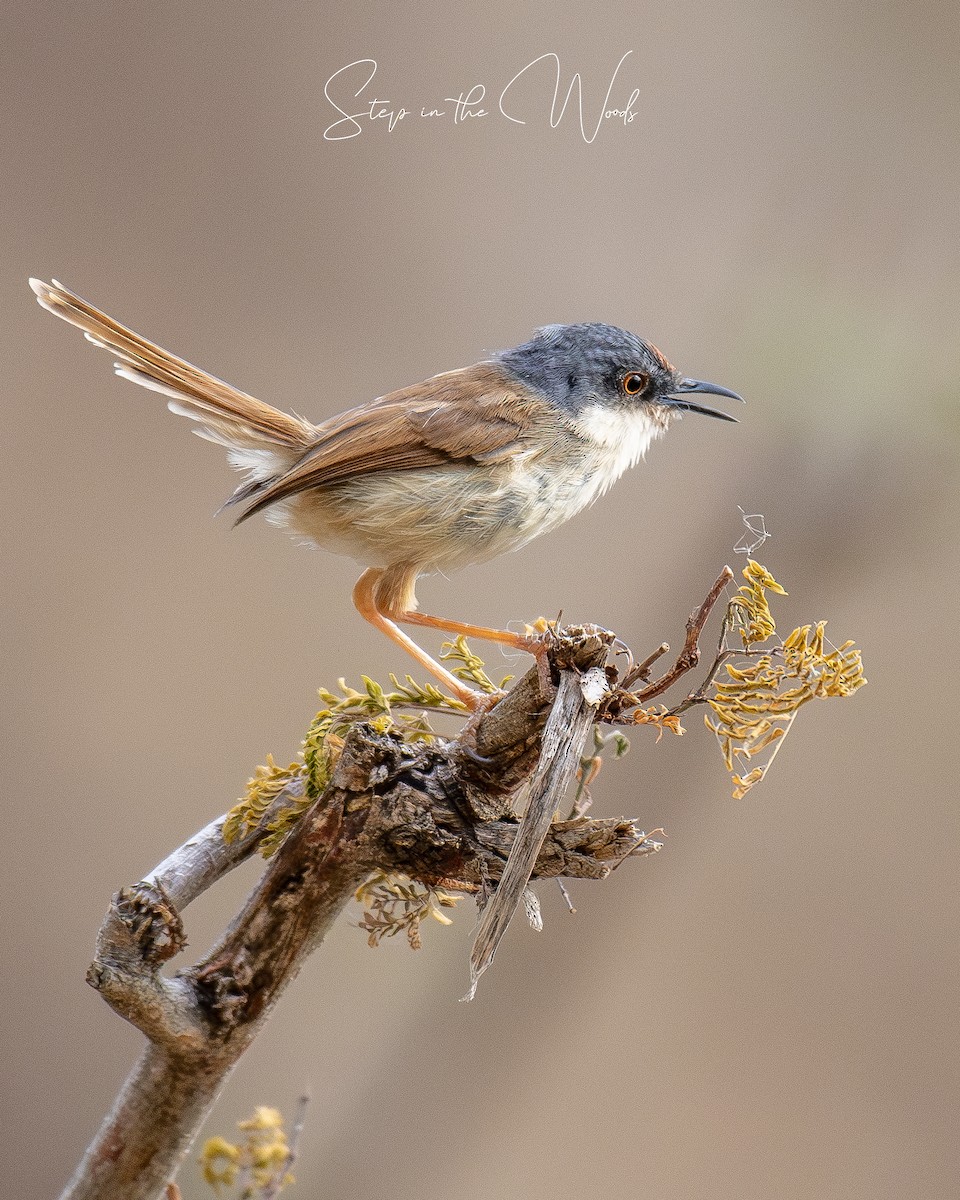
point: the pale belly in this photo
(437, 519)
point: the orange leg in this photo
(518, 641)
(364, 598)
(386, 619)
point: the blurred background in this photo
(766, 1008)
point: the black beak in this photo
(698, 385)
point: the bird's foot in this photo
(480, 703)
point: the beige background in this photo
(769, 1007)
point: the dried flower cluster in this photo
(262, 790)
(660, 717)
(471, 668)
(397, 904)
(257, 1166)
(756, 703)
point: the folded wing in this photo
(476, 414)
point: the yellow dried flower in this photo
(219, 1162)
(261, 791)
(658, 716)
(264, 1120)
(396, 904)
(257, 1165)
(758, 698)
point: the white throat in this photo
(619, 439)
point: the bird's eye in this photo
(634, 383)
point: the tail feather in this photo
(224, 414)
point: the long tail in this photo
(262, 439)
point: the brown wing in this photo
(477, 413)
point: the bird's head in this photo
(588, 365)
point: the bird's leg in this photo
(365, 600)
(531, 644)
(394, 596)
(506, 637)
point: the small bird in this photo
(452, 471)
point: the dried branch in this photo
(689, 656)
(642, 669)
(573, 712)
(439, 812)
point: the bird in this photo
(446, 473)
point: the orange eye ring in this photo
(634, 383)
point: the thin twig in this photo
(275, 1185)
(690, 654)
(642, 670)
(566, 896)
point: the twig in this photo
(690, 654)
(700, 695)
(642, 670)
(566, 897)
(274, 1187)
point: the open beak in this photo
(677, 399)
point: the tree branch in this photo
(439, 812)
